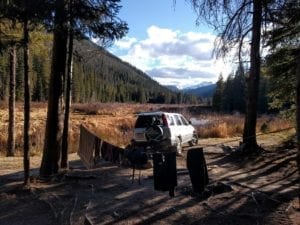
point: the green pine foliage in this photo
(4, 73)
(230, 95)
(281, 68)
(19, 76)
(39, 90)
(218, 94)
(283, 59)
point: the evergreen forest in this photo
(98, 76)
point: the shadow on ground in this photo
(261, 192)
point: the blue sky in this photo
(164, 41)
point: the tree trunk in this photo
(54, 123)
(12, 102)
(298, 117)
(249, 135)
(64, 153)
(26, 157)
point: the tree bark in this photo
(298, 117)
(65, 139)
(54, 123)
(12, 102)
(249, 135)
(26, 157)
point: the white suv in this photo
(164, 130)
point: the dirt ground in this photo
(254, 190)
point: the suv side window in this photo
(171, 120)
(184, 121)
(177, 119)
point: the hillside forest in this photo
(98, 76)
(46, 55)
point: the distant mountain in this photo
(172, 87)
(203, 84)
(205, 91)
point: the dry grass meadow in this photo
(115, 122)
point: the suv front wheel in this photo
(194, 140)
(178, 145)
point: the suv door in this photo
(180, 129)
(188, 129)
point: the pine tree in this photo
(284, 38)
(238, 92)
(10, 40)
(93, 19)
(3, 75)
(141, 98)
(65, 136)
(40, 86)
(218, 94)
(12, 98)
(53, 136)
(228, 95)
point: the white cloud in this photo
(179, 83)
(173, 57)
(125, 43)
(160, 35)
